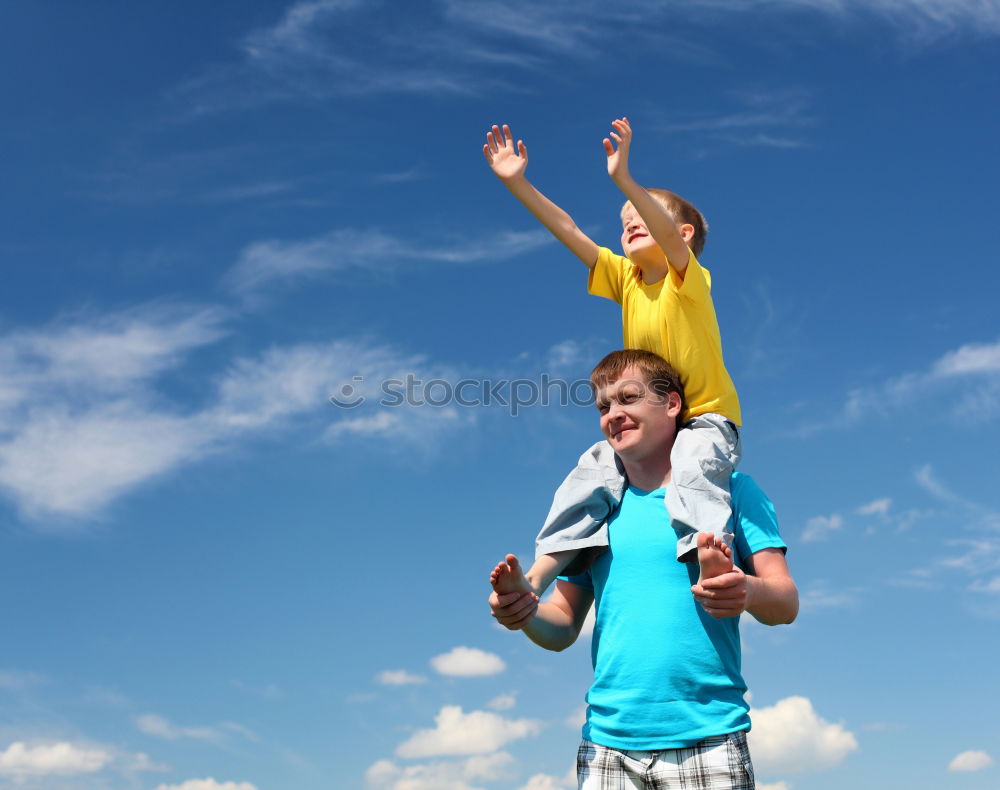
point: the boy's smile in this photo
(635, 234)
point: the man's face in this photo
(636, 421)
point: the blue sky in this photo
(216, 216)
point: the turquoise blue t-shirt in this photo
(666, 674)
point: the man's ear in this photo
(673, 403)
(687, 232)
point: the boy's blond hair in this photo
(683, 213)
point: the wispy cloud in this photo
(84, 417)
(264, 263)
(978, 516)
(878, 507)
(976, 559)
(218, 174)
(399, 677)
(152, 724)
(914, 21)
(820, 596)
(970, 375)
(87, 413)
(760, 119)
(322, 49)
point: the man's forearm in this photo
(552, 628)
(772, 601)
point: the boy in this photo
(667, 309)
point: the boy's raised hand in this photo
(618, 159)
(506, 161)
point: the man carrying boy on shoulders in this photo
(666, 709)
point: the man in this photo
(666, 708)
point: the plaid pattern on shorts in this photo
(721, 763)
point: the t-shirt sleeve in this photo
(697, 283)
(606, 278)
(756, 525)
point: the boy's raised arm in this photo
(508, 164)
(660, 224)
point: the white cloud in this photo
(73, 464)
(454, 775)
(790, 737)
(52, 759)
(488, 766)
(476, 732)
(468, 662)
(83, 419)
(878, 507)
(263, 263)
(106, 354)
(973, 358)
(543, 782)
(502, 702)
(970, 761)
(399, 677)
(208, 784)
(820, 527)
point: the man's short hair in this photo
(659, 374)
(684, 213)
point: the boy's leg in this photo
(581, 506)
(704, 456)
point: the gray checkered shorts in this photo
(721, 763)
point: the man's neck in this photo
(649, 473)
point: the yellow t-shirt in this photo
(674, 318)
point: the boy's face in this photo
(636, 238)
(638, 243)
(636, 420)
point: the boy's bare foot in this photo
(508, 577)
(714, 556)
